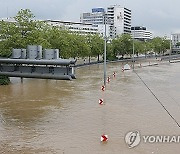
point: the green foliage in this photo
(139, 47)
(178, 44)
(95, 44)
(122, 45)
(27, 31)
(4, 80)
(160, 44)
(110, 53)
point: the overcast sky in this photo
(162, 17)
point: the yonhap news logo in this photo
(133, 138)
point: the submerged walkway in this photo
(42, 116)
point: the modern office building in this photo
(119, 20)
(140, 33)
(95, 17)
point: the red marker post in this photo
(104, 138)
(108, 79)
(103, 88)
(101, 101)
(114, 74)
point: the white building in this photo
(11, 20)
(175, 39)
(119, 19)
(81, 28)
(95, 17)
(76, 27)
(140, 33)
(101, 30)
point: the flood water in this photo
(64, 117)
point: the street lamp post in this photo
(133, 49)
(105, 41)
(170, 49)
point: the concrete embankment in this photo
(138, 60)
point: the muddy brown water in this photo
(48, 116)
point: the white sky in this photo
(159, 16)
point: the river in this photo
(64, 117)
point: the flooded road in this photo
(64, 117)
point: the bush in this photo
(4, 80)
(111, 58)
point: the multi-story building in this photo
(95, 17)
(140, 33)
(119, 20)
(75, 27)
(175, 39)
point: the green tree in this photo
(165, 45)
(157, 44)
(148, 47)
(4, 80)
(19, 34)
(25, 31)
(7, 30)
(122, 45)
(138, 47)
(178, 44)
(96, 45)
(160, 45)
(58, 38)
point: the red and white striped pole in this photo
(114, 74)
(103, 88)
(101, 101)
(108, 79)
(104, 138)
(122, 69)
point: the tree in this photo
(165, 45)
(4, 80)
(58, 39)
(19, 34)
(160, 45)
(25, 31)
(122, 45)
(8, 35)
(96, 45)
(138, 47)
(178, 44)
(148, 47)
